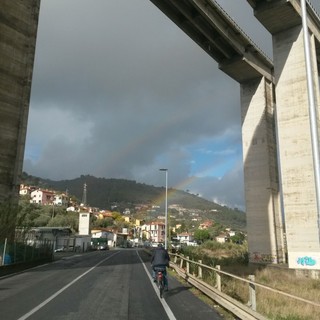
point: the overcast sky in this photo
(119, 91)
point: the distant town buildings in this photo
(127, 227)
(44, 196)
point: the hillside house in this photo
(26, 190)
(154, 231)
(43, 197)
(61, 200)
(222, 238)
(102, 214)
(230, 232)
(205, 225)
(185, 237)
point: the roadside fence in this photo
(213, 282)
(22, 252)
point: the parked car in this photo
(103, 246)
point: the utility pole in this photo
(84, 195)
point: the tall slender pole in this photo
(166, 212)
(4, 252)
(312, 107)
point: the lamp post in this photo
(166, 212)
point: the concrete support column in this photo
(298, 181)
(264, 219)
(18, 29)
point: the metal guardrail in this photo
(182, 266)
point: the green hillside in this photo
(104, 193)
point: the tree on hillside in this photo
(117, 216)
(41, 221)
(32, 215)
(103, 223)
(201, 235)
(238, 238)
(36, 215)
(216, 229)
(71, 220)
(120, 224)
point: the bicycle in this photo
(160, 279)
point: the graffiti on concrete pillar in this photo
(306, 261)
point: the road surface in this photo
(113, 284)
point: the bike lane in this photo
(181, 301)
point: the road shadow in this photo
(176, 290)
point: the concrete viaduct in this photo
(280, 189)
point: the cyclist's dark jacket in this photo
(160, 257)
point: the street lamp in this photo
(166, 212)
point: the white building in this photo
(185, 237)
(154, 231)
(26, 190)
(61, 199)
(42, 197)
(84, 223)
(222, 238)
(110, 237)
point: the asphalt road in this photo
(113, 284)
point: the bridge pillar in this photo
(264, 219)
(295, 145)
(18, 29)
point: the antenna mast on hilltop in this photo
(84, 195)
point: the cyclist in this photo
(160, 259)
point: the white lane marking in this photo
(31, 312)
(163, 302)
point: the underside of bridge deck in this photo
(219, 36)
(279, 15)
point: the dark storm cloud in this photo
(119, 91)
